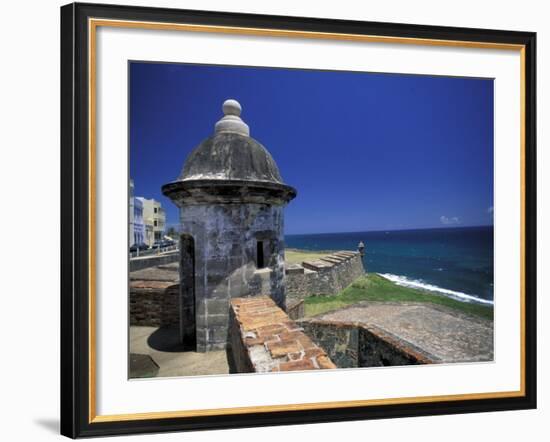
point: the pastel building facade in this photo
(139, 226)
(136, 222)
(154, 218)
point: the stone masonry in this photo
(264, 339)
(389, 333)
(225, 238)
(325, 276)
(154, 296)
(351, 344)
(142, 262)
(231, 198)
(155, 291)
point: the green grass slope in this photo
(373, 287)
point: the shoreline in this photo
(403, 281)
(375, 286)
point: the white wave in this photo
(418, 284)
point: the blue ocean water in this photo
(457, 262)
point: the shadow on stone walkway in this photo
(166, 339)
(164, 348)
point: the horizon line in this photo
(394, 230)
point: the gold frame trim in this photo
(93, 24)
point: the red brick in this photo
(306, 342)
(292, 326)
(280, 349)
(295, 356)
(296, 334)
(325, 363)
(314, 352)
(249, 342)
(272, 329)
(304, 364)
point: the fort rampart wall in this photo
(351, 345)
(154, 291)
(325, 276)
(264, 339)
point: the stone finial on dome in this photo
(231, 121)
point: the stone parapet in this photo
(295, 309)
(154, 296)
(264, 339)
(317, 265)
(154, 303)
(324, 276)
(143, 262)
(353, 344)
(419, 330)
(292, 268)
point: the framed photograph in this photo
(276, 220)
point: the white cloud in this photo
(449, 221)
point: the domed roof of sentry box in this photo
(230, 153)
(229, 157)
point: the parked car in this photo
(141, 246)
(163, 243)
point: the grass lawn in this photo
(295, 256)
(373, 287)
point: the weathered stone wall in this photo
(188, 331)
(326, 276)
(340, 341)
(154, 296)
(264, 339)
(143, 262)
(225, 240)
(295, 309)
(154, 303)
(379, 348)
(351, 345)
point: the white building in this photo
(137, 225)
(154, 219)
(131, 215)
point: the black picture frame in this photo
(75, 221)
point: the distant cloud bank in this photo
(449, 221)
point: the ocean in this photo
(456, 262)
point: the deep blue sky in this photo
(365, 151)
